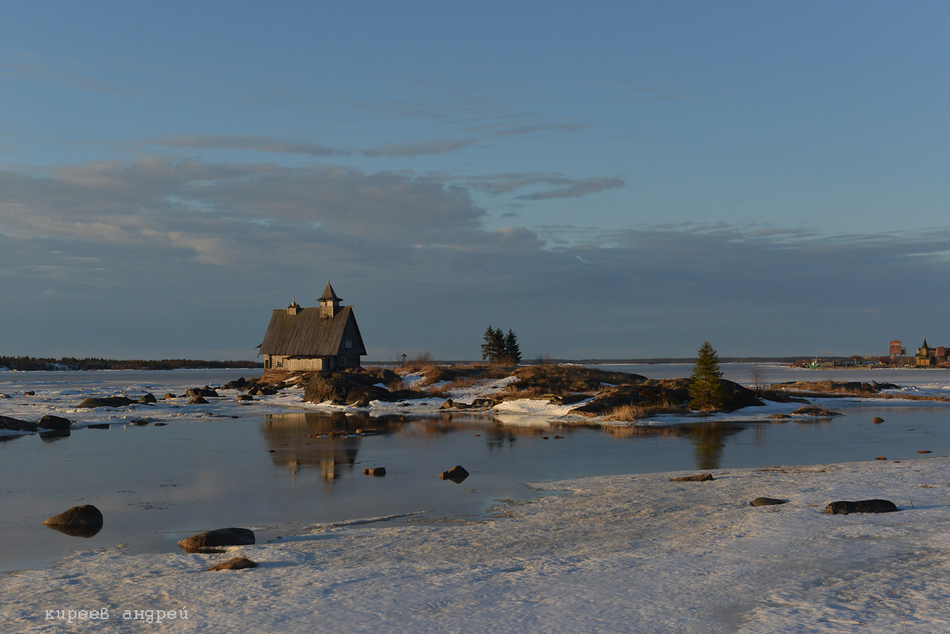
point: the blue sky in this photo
(607, 179)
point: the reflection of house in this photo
(317, 339)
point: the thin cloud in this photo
(245, 142)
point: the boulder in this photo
(12, 424)
(456, 474)
(237, 384)
(57, 423)
(105, 401)
(201, 542)
(198, 400)
(767, 502)
(814, 410)
(237, 563)
(202, 391)
(148, 399)
(375, 471)
(699, 477)
(844, 507)
(168, 396)
(79, 521)
(877, 420)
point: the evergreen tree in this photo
(706, 390)
(512, 349)
(493, 348)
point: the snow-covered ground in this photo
(634, 553)
(624, 553)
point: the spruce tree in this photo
(493, 348)
(706, 389)
(512, 349)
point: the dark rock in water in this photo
(57, 423)
(456, 474)
(99, 426)
(844, 507)
(237, 384)
(12, 424)
(202, 391)
(448, 404)
(880, 458)
(376, 471)
(200, 542)
(148, 399)
(483, 403)
(168, 396)
(79, 521)
(237, 563)
(814, 410)
(699, 477)
(767, 502)
(779, 417)
(877, 420)
(242, 398)
(29, 393)
(105, 401)
(198, 400)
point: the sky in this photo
(606, 179)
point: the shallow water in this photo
(157, 484)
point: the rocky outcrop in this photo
(237, 563)
(105, 401)
(839, 388)
(767, 502)
(209, 540)
(814, 410)
(699, 477)
(203, 392)
(670, 394)
(356, 387)
(56, 423)
(844, 507)
(12, 424)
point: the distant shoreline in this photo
(70, 364)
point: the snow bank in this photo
(624, 553)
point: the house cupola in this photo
(329, 303)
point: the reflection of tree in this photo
(707, 438)
(707, 445)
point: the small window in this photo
(280, 364)
(342, 361)
(349, 344)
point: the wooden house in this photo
(925, 355)
(319, 339)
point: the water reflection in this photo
(326, 442)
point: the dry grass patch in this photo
(630, 413)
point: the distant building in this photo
(319, 339)
(897, 349)
(925, 355)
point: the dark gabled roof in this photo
(308, 334)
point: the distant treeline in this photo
(93, 363)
